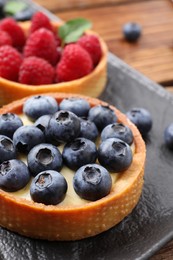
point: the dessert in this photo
(82, 212)
(47, 61)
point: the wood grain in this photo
(62, 5)
(152, 54)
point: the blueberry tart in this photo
(63, 195)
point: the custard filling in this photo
(71, 198)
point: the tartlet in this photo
(59, 222)
(91, 85)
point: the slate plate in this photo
(150, 225)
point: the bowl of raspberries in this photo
(40, 56)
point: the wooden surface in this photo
(152, 54)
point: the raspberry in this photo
(91, 44)
(10, 26)
(5, 38)
(40, 20)
(74, 64)
(58, 41)
(41, 43)
(36, 71)
(10, 61)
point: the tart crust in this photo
(91, 85)
(50, 222)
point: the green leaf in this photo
(72, 30)
(12, 7)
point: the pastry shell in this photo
(51, 222)
(91, 85)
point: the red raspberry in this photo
(42, 43)
(10, 26)
(5, 39)
(10, 61)
(36, 71)
(74, 64)
(40, 20)
(91, 44)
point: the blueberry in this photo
(37, 106)
(9, 122)
(102, 116)
(168, 136)
(78, 106)
(117, 130)
(44, 157)
(7, 149)
(115, 155)
(48, 187)
(92, 182)
(42, 122)
(64, 126)
(141, 118)
(24, 15)
(79, 152)
(26, 137)
(88, 130)
(14, 175)
(132, 31)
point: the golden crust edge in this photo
(37, 220)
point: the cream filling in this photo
(71, 198)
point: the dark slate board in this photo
(150, 225)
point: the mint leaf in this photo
(12, 7)
(72, 30)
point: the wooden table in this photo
(152, 55)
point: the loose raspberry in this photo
(42, 43)
(10, 61)
(74, 64)
(10, 26)
(40, 20)
(36, 71)
(5, 38)
(91, 44)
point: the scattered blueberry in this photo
(88, 130)
(26, 137)
(117, 130)
(37, 106)
(92, 182)
(141, 118)
(48, 187)
(168, 136)
(102, 116)
(7, 149)
(79, 152)
(9, 122)
(44, 157)
(132, 31)
(24, 15)
(78, 106)
(115, 155)
(64, 126)
(14, 175)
